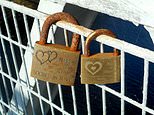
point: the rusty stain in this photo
(95, 34)
(52, 19)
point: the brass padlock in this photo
(101, 68)
(52, 62)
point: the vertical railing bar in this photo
(88, 99)
(86, 85)
(5, 86)
(3, 78)
(27, 30)
(38, 24)
(40, 100)
(122, 81)
(48, 86)
(2, 108)
(145, 85)
(30, 45)
(103, 90)
(66, 37)
(16, 26)
(74, 100)
(1, 97)
(59, 86)
(36, 81)
(6, 57)
(52, 33)
(104, 101)
(47, 83)
(72, 87)
(50, 99)
(101, 48)
(82, 43)
(61, 97)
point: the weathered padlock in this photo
(52, 62)
(101, 68)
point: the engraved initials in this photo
(45, 56)
(93, 67)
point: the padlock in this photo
(53, 62)
(100, 68)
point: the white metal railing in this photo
(20, 108)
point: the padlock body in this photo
(54, 63)
(101, 68)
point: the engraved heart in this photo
(93, 67)
(53, 55)
(43, 57)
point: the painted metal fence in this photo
(22, 90)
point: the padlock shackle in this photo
(52, 19)
(94, 35)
